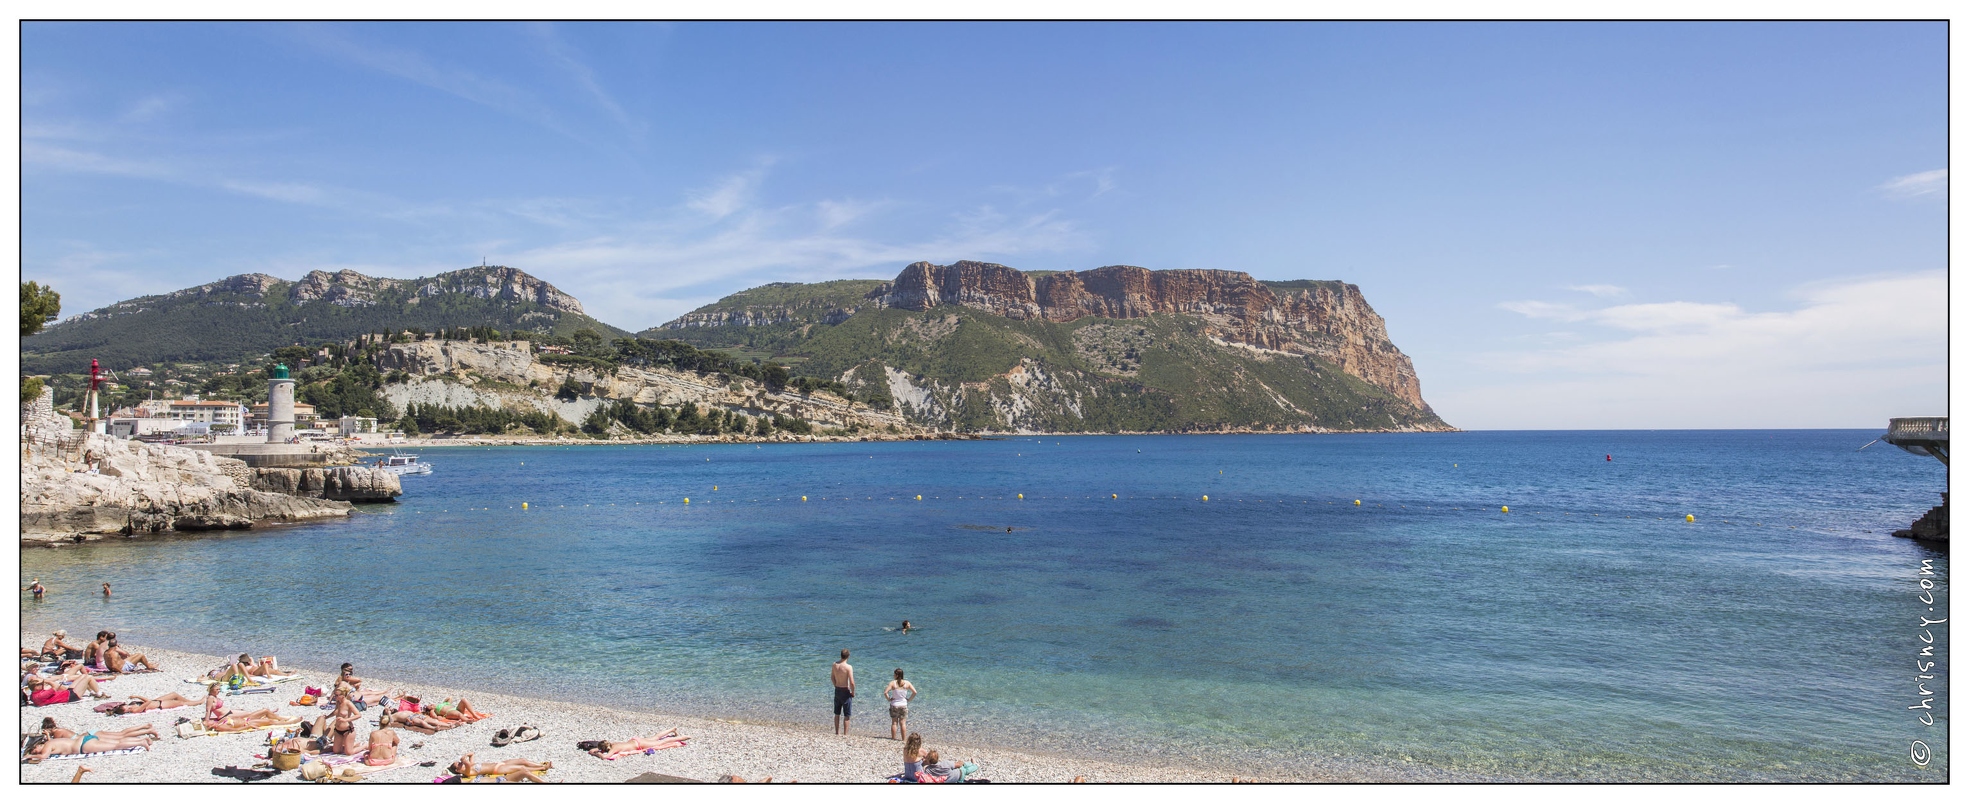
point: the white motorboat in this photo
(401, 464)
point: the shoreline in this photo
(751, 750)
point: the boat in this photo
(401, 464)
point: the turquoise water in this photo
(1590, 633)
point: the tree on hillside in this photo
(39, 305)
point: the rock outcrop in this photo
(138, 489)
(505, 375)
(1328, 320)
(343, 483)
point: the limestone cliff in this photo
(507, 375)
(141, 489)
(1329, 320)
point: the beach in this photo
(752, 751)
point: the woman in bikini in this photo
(49, 728)
(44, 746)
(169, 700)
(421, 723)
(382, 743)
(607, 749)
(513, 770)
(218, 719)
(460, 711)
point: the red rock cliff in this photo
(1329, 320)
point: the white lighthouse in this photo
(280, 406)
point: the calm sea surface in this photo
(1590, 633)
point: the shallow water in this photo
(1590, 633)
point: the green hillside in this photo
(233, 321)
(1160, 373)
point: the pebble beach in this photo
(753, 751)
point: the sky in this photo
(1566, 226)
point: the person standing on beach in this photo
(899, 693)
(844, 693)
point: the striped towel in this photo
(94, 754)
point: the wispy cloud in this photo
(450, 79)
(565, 56)
(1918, 185)
(1859, 349)
(731, 193)
(149, 108)
(834, 214)
(1602, 291)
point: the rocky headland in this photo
(78, 486)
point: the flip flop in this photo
(526, 734)
(502, 738)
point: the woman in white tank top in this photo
(899, 693)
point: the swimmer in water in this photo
(36, 588)
(905, 626)
(105, 589)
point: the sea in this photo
(1354, 606)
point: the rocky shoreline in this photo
(78, 487)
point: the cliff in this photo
(142, 489)
(1329, 320)
(508, 375)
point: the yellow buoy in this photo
(803, 498)
(1022, 496)
(714, 488)
(1206, 498)
(687, 501)
(1504, 508)
(1357, 502)
(919, 496)
(1114, 496)
(522, 506)
(1689, 518)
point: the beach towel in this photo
(251, 691)
(366, 769)
(93, 754)
(334, 760)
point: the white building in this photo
(223, 417)
(355, 425)
(143, 426)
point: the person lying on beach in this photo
(42, 746)
(382, 742)
(49, 728)
(169, 700)
(940, 771)
(461, 711)
(245, 666)
(422, 723)
(47, 692)
(217, 718)
(524, 769)
(123, 658)
(616, 749)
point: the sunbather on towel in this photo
(49, 728)
(938, 770)
(46, 692)
(169, 700)
(422, 723)
(218, 719)
(57, 648)
(513, 770)
(616, 749)
(460, 711)
(382, 742)
(42, 746)
(245, 666)
(123, 660)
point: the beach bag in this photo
(314, 770)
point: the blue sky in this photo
(1567, 226)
